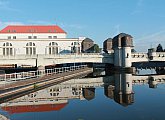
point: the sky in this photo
(95, 19)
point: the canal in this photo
(114, 97)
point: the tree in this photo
(159, 48)
(133, 50)
(96, 48)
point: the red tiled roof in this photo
(33, 108)
(32, 29)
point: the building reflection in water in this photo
(117, 87)
(89, 93)
(121, 91)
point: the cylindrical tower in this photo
(127, 83)
(126, 44)
(122, 45)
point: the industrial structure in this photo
(35, 46)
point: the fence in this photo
(38, 73)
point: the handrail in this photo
(38, 73)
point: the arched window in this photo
(7, 49)
(75, 47)
(53, 48)
(30, 48)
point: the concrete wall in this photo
(43, 60)
(137, 57)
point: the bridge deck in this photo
(47, 80)
(37, 80)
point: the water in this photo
(114, 97)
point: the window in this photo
(75, 47)
(53, 48)
(127, 55)
(50, 37)
(30, 48)
(7, 49)
(14, 37)
(54, 37)
(9, 37)
(35, 37)
(29, 37)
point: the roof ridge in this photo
(28, 28)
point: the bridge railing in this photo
(139, 55)
(19, 56)
(160, 54)
(35, 74)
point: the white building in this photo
(32, 40)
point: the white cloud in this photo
(4, 24)
(39, 22)
(152, 37)
(152, 40)
(73, 26)
(64, 25)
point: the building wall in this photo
(19, 45)
(87, 46)
(25, 35)
(107, 46)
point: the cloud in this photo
(153, 37)
(73, 26)
(4, 24)
(152, 40)
(39, 22)
(5, 5)
(64, 25)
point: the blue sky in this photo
(96, 19)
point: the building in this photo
(36, 39)
(107, 45)
(87, 45)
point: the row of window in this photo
(11, 37)
(8, 49)
(31, 37)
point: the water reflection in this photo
(122, 91)
(118, 87)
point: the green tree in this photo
(133, 50)
(159, 48)
(96, 48)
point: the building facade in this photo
(107, 45)
(87, 45)
(32, 40)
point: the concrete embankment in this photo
(20, 88)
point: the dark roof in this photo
(122, 35)
(108, 40)
(88, 40)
